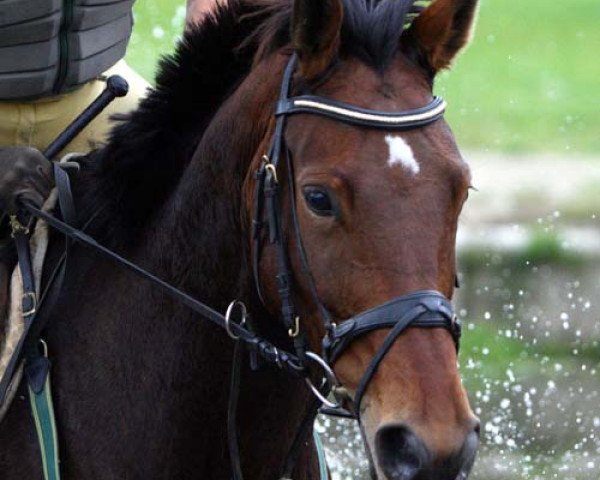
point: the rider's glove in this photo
(25, 175)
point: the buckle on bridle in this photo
(31, 296)
(17, 227)
(294, 332)
(269, 167)
(44, 347)
(277, 357)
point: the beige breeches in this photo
(36, 123)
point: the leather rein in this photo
(424, 309)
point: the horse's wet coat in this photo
(140, 383)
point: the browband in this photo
(363, 117)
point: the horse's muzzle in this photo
(403, 456)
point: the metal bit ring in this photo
(329, 378)
(243, 310)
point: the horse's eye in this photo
(318, 200)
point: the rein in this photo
(424, 309)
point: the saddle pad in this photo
(13, 322)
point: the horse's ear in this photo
(441, 30)
(316, 27)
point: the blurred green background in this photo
(528, 82)
(530, 79)
(524, 104)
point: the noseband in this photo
(424, 309)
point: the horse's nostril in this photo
(477, 429)
(400, 453)
(464, 461)
(459, 465)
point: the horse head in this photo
(376, 210)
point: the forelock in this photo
(371, 30)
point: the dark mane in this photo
(150, 148)
(371, 29)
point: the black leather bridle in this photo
(424, 309)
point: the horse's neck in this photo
(205, 245)
(136, 355)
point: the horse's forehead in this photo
(323, 144)
(401, 86)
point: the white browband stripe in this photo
(371, 116)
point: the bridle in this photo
(424, 309)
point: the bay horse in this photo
(141, 383)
